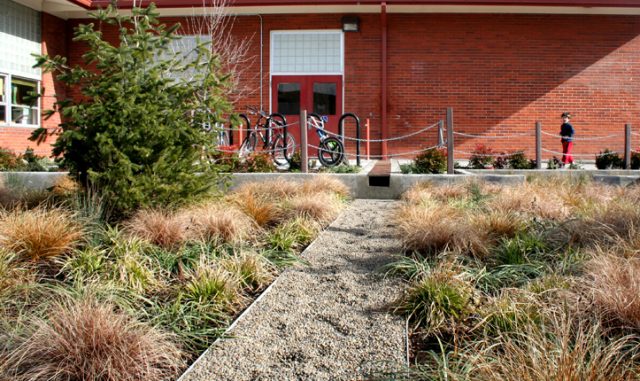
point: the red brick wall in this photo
(54, 42)
(500, 73)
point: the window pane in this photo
(289, 98)
(3, 117)
(2, 87)
(21, 92)
(324, 98)
(24, 115)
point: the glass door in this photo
(320, 94)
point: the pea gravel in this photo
(325, 321)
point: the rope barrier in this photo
(487, 154)
(577, 154)
(256, 150)
(583, 139)
(375, 140)
(262, 128)
(390, 155)
(491, 136)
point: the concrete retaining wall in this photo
(358, 183)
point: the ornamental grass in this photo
(87, 340)
(219, 223)
(40, 234)
(163, 229)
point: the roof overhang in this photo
(78, 8)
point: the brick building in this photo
(501, 65)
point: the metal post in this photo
(450, 141)
(538, 145)
(440, 136)
(304, 154)
(627, 146)
(367, 124)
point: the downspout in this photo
(261, 69)
(383, 100)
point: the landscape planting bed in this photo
(140, 300)
(537, 281)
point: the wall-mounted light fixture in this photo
(350, 24)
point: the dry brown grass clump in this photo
(325, 184)
(268, 190)
(435, 228)
(264, 212)
(219, 222)
(496, 225)
(614, 285)
(533, 199)
(84, 340)
(320, 207)
(40, 233)
(163, 229)
(64, 186)
(563, 350)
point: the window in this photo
(3, 100)
(324, 98)
(18, 106)
(289, 98)
(307, 52)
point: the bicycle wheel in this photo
(281, 152)
(330, 152)
(248, 145)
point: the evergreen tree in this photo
(134, 133)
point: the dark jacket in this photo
(567, 131)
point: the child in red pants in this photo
(566, 131)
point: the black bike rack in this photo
(284, 128)
(341, 126)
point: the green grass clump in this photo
(438, 301)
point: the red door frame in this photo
(306, 102)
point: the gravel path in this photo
(325, 321)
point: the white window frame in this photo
(306, 31)
(9, 102)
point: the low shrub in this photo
(433, 160)
(501, 161)
(258, 162)
(9, 161)
(87, 340)
(518, 160)
(295, 163)
(554, 163)
(635, 159)
(609, 160)
(40, 233)
(226, 158)
(481, 157)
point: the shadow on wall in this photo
(501, 73)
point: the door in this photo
(320, 94)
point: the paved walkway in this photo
(325, 321)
